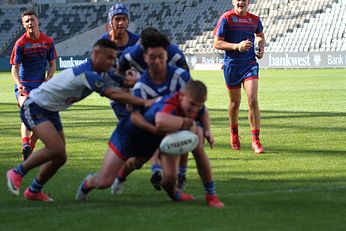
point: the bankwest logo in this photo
(70, 62)
(289, 61)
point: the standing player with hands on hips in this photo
(236, 33)
(29, 58)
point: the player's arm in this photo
(51, 69)
(168, 123)
(15, 76)
(221, 44)
(260, 41)
(125, 97)
(138, 119)
(206, 127)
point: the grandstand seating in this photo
(290, 25)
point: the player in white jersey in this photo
(40, 113)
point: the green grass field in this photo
(298, 184)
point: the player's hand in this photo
(245, 45)
(131, 77)
(209, 137)
(149, 102)
(22, 90)
(260, 52)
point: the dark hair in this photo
(29, 12)
(105, 43)
(151, 37)
(197, 89)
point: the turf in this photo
(298, 184)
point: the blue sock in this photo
(35, 186)
(182, 170)
(20, 170)
(210, 188)
(156, 168)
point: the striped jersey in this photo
(234, 29)
(32, 55)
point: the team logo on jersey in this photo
(98, 84)
(235, 19)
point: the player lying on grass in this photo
(40, 113)
(172, 113)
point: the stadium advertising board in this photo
(276, 60)
(64, 62)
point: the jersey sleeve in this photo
(96, 82)
(16, 55)
(52, 52)
(220, 29)
(124, 63)
(259, 28)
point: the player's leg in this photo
(54, 150)
(205, 173)
(251, 89)
(233, 83)
(51, 158)
(104, 178)
(182, 171)
(130, 165)
(169, 180)
(156, 170)
(26, 148)
(233, 113)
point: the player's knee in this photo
(253, 103)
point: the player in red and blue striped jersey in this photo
(236, 33)
(29, 58)
(172, 113)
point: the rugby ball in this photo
(179, 143)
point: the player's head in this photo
(155, 46)
(103, 55)
(241, 6)
(118, 17)
(192, 98)
(30, 21)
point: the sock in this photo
(85, 188)
(32, 146)
(121, 175)
(182, 170)
(233, 129)
(255, 135)
(25, 140)
(156, 168)
(210, 188)
(20, 170)
(36, 186)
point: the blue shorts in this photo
(126, 145)
(27, 88)
(236, 75)
(32, 115)
(120, 110)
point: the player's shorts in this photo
(236, 75)
(32, 115)
(119, 110)
(126, 146)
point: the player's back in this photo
(66, 88)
